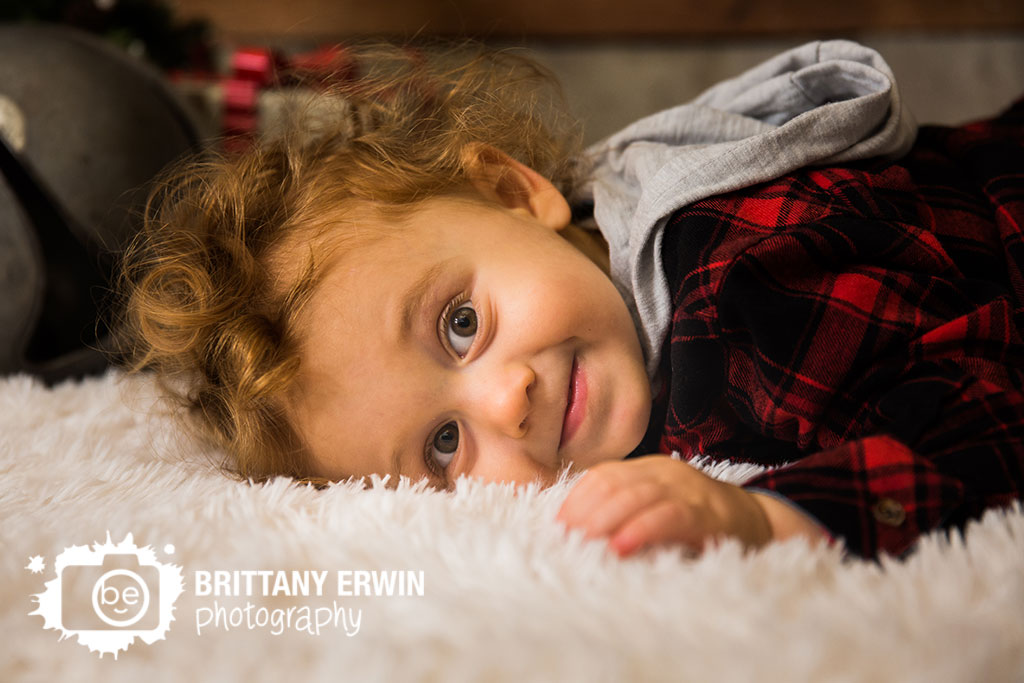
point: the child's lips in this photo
(576, 406)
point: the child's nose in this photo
(502, 398)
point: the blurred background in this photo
(618, 59)
(88, 117)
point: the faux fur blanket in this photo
(282, 582)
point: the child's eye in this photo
(443, 445)
(459, 325)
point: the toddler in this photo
(427, 277)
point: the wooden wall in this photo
(592, 19)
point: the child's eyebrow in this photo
(416, 296)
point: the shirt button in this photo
(889, 512)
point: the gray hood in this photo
(823, 103)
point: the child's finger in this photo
(592, 488)
(611, 512)
(663, 522)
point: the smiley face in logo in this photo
(123, 593)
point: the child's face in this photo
(470, 340)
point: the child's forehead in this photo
(364, 223)
(407, 228)
(367, 234)
(330, 234)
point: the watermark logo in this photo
(109, 595)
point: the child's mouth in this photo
(576, 407)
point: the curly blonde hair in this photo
(204, 304)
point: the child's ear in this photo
(502, 179)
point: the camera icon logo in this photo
(123, 594)
(110, 595)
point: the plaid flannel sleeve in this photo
(921, 423)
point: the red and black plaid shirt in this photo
(863, 325)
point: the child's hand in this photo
(657, 500)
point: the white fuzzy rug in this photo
(507, 595)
